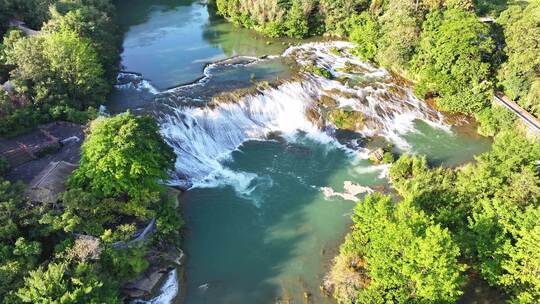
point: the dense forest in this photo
(481, 218)
(422, 247)
(65, 72)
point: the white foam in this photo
(203, 137)
(167, 293)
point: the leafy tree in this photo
(365, 34)
(399, 256)
(124, 155)
(495, 119)
(66, 283)
(92, 23)
(18, 254)
(520, 74)
(336, 12)
(58, 68)
(400, 30)
(451, 63)
(492, 206)
(296, 22)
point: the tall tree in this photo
(124, 155)
(452, 62)
(520, 74)
(59, 68)
(395, 254)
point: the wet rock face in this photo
(327, 102)
(161, 263)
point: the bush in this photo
(495, 119)
(346, 119)
(365, 34)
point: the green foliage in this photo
(64, 283)
(296, 22)
(293, 18)
(388, 158)
(346, 119)
(519, 75)
(124, 263)
(65, 72)
(401, 256)
(92, 23)
(168, 221)
(399, 28)
(495, 119)
(336, 13)
(124, 155)
(18, 253)
(492, 206)
(455, 37)
(320, 71)
(365, 34)
(60, 68)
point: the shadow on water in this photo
(273, 243)
(133, 12)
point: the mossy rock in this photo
(335, 51)
(320, 71)
(327, 102)
(346, 119)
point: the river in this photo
(259, 227)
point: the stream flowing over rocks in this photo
(203, 135)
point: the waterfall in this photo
(204, 136)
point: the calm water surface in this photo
(170, 41)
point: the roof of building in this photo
(47, 185)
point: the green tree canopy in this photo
(124, 155)
(92, 23)
(520, 74)
(59, 68)
(452, 62)
(399, 256)
(65, 283)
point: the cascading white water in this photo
(204, 136)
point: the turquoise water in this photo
(273, 240)
(170, 41)
(276, 242)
